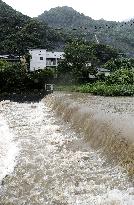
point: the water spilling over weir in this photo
(84, 155)
(107, 123)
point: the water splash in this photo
(8, 150)
(104, 129)
(57, 166)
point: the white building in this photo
(41, 59)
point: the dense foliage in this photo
(14, 77)
(78, 54)
(121, 77)
(119, 63)
(100, 88)
(117, 34)
(81, 59)
(19, 32)
(119, 83)
(107, 90)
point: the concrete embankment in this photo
(107, 123)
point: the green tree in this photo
(119, 63)
(38, 79)
(12, 76)
(121, 76)
(104, 53)
(78, 56)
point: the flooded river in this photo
(47, 159)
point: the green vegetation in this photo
(119, 35)
(15, 78)
(121, 77)
(82, 55)
(100, 88)
(119, 63)
(81, 59)
(74, 70)
(77, 56)
(119, 83)
(108, 90)
(19, 32)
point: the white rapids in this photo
(8, 150)
(55, 165)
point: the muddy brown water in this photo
(58, 151)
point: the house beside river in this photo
(41, 59)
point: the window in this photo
(41, 58)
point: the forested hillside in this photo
(51, 29)
(19, 32)
(119, 35)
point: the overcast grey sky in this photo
(108, 9)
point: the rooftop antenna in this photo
(97, 39)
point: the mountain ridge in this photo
(120, 35)
(51, 29)
(19, 32)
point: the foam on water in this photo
(57, 166)
(8, 150)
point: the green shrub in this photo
(37, 79)
(121, 77)
(107, 90)
(119, 63)
(13, 77)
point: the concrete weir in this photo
(107, 123)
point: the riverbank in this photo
(107, 123)
(100, 88)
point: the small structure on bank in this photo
(99, 72)
(49, 88)
(104, 71)
(41, 59)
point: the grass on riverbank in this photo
(100, 88)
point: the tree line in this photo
(82, 59)
(14, 77)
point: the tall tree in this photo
(82, 58)
(79, 60)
